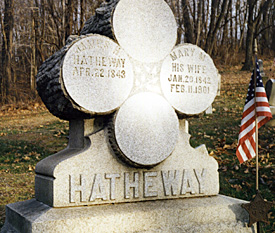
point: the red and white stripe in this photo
(246, 148)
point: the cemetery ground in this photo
(30, 133)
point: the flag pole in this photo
(256, 125)
(258, 208)
(256, 120)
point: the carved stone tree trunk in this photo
(49, 83)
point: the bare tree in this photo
(251, 24)
(188, 24)
(221, 27)
(7, 35)
(215, 24)
(69, 18)
(34, 45)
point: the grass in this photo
(219, 131)
(27, 137)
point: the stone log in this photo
(49, 77)
(100, 23)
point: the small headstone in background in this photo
(270, 93)
(209, 110)
(268, 87)
(261, 67)
(219, 86)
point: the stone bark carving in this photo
(100, 23)
(49, 83)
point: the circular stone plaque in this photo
(146, 29)
(189, 79)
(97, 74)
(146, 129)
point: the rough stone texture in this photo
(97, 75)
(49, 85)
(146, 29)
(100, 23)
(95, 175)
(145, 129)
(208, 214)
(189, 79)
(50, 89)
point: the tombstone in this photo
(270, 93)
(261, 67)
(129, 166)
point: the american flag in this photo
(246, 148)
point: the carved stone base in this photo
(92, 174)
(207, 214)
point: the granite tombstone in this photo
(261, 67)
(128, 147)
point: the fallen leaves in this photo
(246, 171)
(226, 147)
(27, 158)
(237, 187)
(220, 134)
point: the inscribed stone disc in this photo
(189, 79)
(97, 74)
(146, 29)
(146, 129)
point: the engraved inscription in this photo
(77, 186)
(101, 70)
(130, 185)
(189, 79)
(112, 178)
(170, 181)
(149, 188)
(98, 189)
(99, 67)
(201, 179)
(183, 52)
(187, 183)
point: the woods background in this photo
(32, 30)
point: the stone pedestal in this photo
(208, 214)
